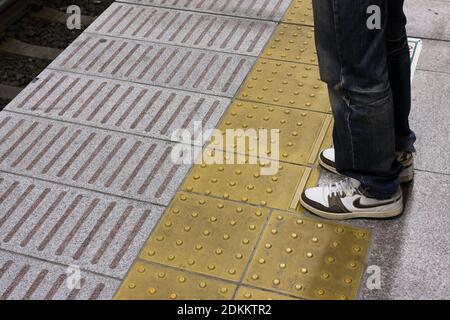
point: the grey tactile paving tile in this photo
(114, 163)
(150, 63)
(428, 18)
(70, 226)
(189, 29)
(117, 105)
(31, 279)
(259, 9)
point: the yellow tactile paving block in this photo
(300, 12)
(247, 293)
(301, 133)
(308, 258)
(246, 184)
(292, 43)
(286, 84)
(206, 235)
(147, 281)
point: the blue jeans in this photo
(368, 76)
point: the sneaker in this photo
(345, 200)
(326, 160)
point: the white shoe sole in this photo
(352, 215)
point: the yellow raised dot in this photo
(152, 291)
(298, 287)
(276, 282)
(211, 267)
(173, 296)
(255, 277)
(132, 286)
(182, 279)
(223, 290)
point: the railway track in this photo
(29, 52)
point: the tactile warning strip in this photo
(301, 133)
(24, 278)
(202, 71)
(118, 105)
(300, 12)
(293, 43)
(148, 281)
(206, 235)
(189, 29)
(103, 234)
(249, 293)
(247, 184)
(260, 9)
(115, 163)
(287, 84)
(309, 258)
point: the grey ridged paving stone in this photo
(114, 163)
(71, 226)
(118, 105)
(189, 29)
(259, 9)
(27, 278)
(156, 64)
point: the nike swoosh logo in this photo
(357, 204)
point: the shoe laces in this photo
(344, 188)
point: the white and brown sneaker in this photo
(327, 161)
(345, 200)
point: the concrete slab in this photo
(258, 9)
(412, 251)
(167, 66)
(114, 163)
(188, 29)
(430, 119)
(117, 105)
(435, 56)
(428, 18)
(26, 278)
(70, 226)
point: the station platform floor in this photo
(89, 191)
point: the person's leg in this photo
(399, 65)
(353, 61)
